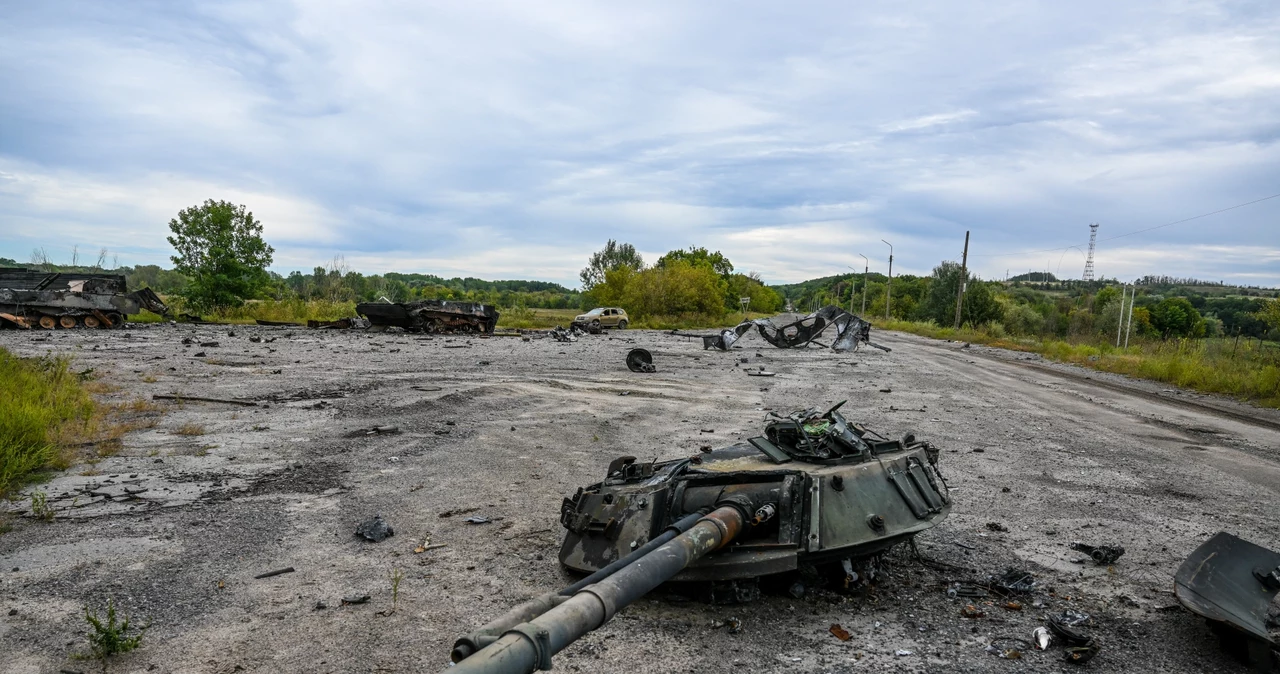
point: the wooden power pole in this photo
(964, 278)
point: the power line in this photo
(1138, 231)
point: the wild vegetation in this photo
(684, 288)
(44, 407)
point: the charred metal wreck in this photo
(52, 300)
(850, 331)
(814, 494)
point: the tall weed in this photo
(43, 405)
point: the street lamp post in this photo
(866, 267)
(888, 286)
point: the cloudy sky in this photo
(510, 140)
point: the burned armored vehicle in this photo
(815, 494)
(30, 298)
(431, 316)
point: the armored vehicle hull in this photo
(431, 316)
(64, 300)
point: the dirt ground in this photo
(175, 527)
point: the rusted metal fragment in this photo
(17, 321)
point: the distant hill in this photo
(1035, 277)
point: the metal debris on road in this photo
(277, 572)
(1012, 581)
(1042, 638)
(477, 519)
(355, 599)
(850, 331)
(1235, 586)
(1102, 555)
(640, 360)
(226, 401)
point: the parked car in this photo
(600, 318)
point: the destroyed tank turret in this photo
(431, 316)
(51, 300)
(815, 496)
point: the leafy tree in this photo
(696, 256)
(763, 298)
(220, 249)
(613, 256)
(1175, 317)
(1104, 298)
(1269, 314)
(939, 304)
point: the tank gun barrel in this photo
(528, 646)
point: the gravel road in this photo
(175, 526)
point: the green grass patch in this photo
(1243, 369)
(43, 407)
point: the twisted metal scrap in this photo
(850, 331)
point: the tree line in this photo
(688, 282)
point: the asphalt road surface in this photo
(204, 496)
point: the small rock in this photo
(374, 529)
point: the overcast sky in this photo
(510, 140)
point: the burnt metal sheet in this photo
(1233, 583)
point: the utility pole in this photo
(866, 266)
(1120, 317)
(888, 286)
(1129, 330)
(964, 278)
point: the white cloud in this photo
(512, 139)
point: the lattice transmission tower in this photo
(1088, 263)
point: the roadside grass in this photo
(1243, 369)
(44, 411)
(50, 417)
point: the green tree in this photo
(1270, 314)
(1104, 298)
(613, 256)
(696, 256)
(220, 249)
(939, 304)
(763, 298)
(1175, 317)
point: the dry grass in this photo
(190, 429)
